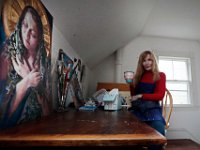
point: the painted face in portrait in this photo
(29, 32)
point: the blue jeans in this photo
(160, 127)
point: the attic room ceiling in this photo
(97, 28)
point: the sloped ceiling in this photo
(97, 28)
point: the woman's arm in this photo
(132, 92)
(159, 91)
(31, 80)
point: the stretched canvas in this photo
(25, 62)
(64, 71)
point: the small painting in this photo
(64, 71)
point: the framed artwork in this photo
(64, 70)
(25, 62)
(69, 90)
(82, 73)
(78, 98)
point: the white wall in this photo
(184, 122)
(59, 42)
(102, 74)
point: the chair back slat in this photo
(167, 107)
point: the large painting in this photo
(25, 62)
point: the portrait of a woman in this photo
(24, 79)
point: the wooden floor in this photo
(182, 145)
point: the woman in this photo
(147, 89)
(24, 80)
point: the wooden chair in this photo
(167, 107)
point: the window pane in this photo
(169, 71)
(177, 86)
(179, 92)
(180, 97)
(177, 76)
(180, 70)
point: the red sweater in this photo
(160, 88)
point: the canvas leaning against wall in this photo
(25, 62)
(68, 86)
(64, 71)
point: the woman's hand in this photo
(21, 68)
(33, 78)
(136, 97)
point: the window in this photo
(178, 77)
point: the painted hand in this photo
(21, 68)
(34, 78)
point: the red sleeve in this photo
(159, 92)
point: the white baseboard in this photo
(181, 133)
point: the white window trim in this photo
(189, 81)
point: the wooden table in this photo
(82, 128)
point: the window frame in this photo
(188, 81)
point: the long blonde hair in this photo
(140, 69)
